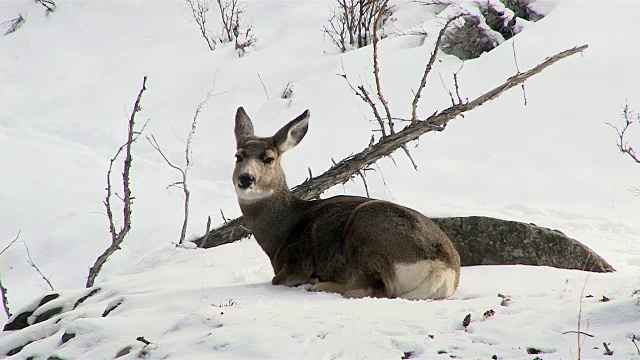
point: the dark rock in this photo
(16, 350)
(82, 299)
(112, 307)
(468, 41)
(67, 336)
(124, 351)
(48, 298)
(489, 241)
(19, 322)
(46, 315)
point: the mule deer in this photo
(350, 245)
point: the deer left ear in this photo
(291, 134)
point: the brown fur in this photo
(345, 244)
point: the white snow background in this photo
(67, 85)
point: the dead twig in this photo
(577, 332)
(30, 261)
(13, 25)
(629, 119)
(633, 340)
(263, 87)
(3, 290)
(11, 243)
(344, 170)
(117, 236)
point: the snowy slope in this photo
(68, 82)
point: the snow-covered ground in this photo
(67, 85)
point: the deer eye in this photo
(268, 160)
(238, 158)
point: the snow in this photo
(69, 81)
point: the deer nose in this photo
(244, 181)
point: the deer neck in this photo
(272, 218)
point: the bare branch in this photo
(364, 181)
(623, 145)
(515, 59)
(11, 243)
(427, 69)
(154, 143)
(364, 95)
(205, 238)
(30, 261)
(344, 170)
(376, 67)
(263, 87)
(117, 237)
(182, 184)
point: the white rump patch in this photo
(427, 279)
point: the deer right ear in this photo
(291, 134)
(244, 127)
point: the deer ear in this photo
(244, 127)
(291, 134)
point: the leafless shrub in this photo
(49, 5)
(230, 12)
(245, 40)
(469, 40)
(231, 15)
(13, 25)
(117, 236)
(352, 23)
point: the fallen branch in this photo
(349, 167)
(117, 237)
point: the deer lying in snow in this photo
(350, 245)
